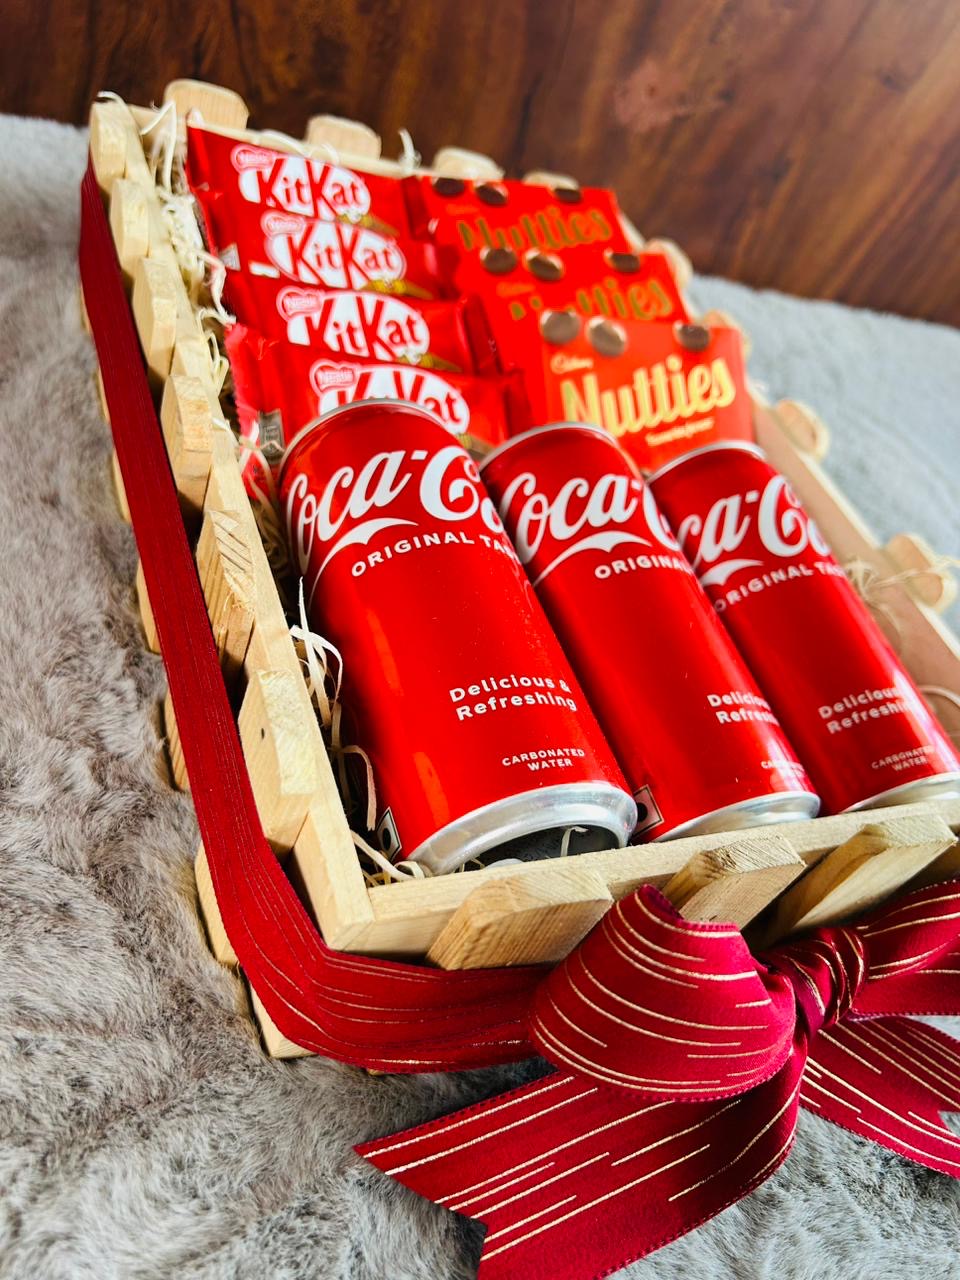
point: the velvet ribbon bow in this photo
(682, 1061)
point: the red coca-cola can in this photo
(475, 725)
(856, 718)
(698, 742)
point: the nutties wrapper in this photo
(655, 395)
(588, 280)
(474, 217)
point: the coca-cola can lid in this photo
(590, 427)
(743, 446)
(324, 418)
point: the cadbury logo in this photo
(365, 325)
(297, 184)
(345, 511)
(582, 516)
(658, 395)
(393, 382)
(333, 254)
(561, 363)
(782, 527)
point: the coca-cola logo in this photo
(332, 254)
(583, 515)
(354, 504)
(297, 184)
(365, 325)
(392, 382)
(774, 515)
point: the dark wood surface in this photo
(808, 145)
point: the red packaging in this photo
(458, 691)
(292, 183)
(475, 216)
(279, 388)
(330, 255)
(588, 280)
(366, 326)
(697, 741)
(850, 709)
(655, 387)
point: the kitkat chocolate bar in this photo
(365, 326)
(659, 389)
(311, 186)
(327, 254)
(279, 388)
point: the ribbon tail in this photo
(575, 1180)
(889, 1080)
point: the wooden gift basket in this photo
(797, 875)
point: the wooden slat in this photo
(188, 434)
(178, 767)
(736, 882)
(861, 873)
(109, 132)
(522, 920)
(146, 612)
(804, 427)
(929, 579)
(118, 490)
(457, 162)
(276, 747)
(130, 225)
(407, 917)
(225, 566)
(328, 869)
(155, 315)
(215, 104)
(220, 944)
(346, 137)
(324, 856)
(276, 1044)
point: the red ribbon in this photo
(681, 1059)
(683, 1062)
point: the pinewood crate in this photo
(774, 879)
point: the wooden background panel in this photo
(809, 145)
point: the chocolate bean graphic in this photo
(694, 337)
(545, 266)
(606, 337)
(560, 327)
(499, 262)
(490, 194)
(449, 186)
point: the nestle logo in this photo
(281, 224)
(327, 377)
(247, 157)
(298, 302)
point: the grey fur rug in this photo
(142, 1132)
